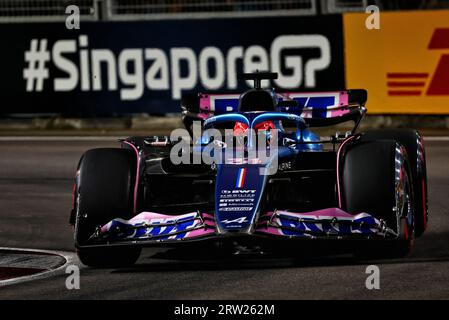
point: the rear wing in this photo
(317, 108)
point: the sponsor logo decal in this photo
(240, 220)
(404, 65)
(414, 83)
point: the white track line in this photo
(116, 138)
(70, 258)
(436, 139)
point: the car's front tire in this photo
(413, 143)
(376, 180)
(104, 191)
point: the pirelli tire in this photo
(413, 143)
(376, 180)
(104, 190)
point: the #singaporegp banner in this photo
(108, 68)
(404, 65)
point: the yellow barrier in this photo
(404, 65)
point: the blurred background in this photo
(102, 66)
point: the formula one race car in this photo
(272, 180)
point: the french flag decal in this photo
(241, 178)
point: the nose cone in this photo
(238, 192)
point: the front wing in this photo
(149, 228)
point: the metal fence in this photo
(54, 10)
(44, 10)
(339, 6)
(157, 9)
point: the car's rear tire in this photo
(413, 143)
(104, 191)
(370, 184)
